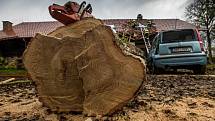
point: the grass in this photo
(12, 71)
(211, 66)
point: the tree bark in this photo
(209, 46)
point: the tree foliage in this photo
(202, 13)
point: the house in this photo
(14, 39)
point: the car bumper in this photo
(164, 61)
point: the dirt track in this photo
(164, 97)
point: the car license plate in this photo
(182, 49)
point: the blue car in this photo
(178, 49)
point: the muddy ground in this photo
(162, 98)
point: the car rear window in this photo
(178, 36)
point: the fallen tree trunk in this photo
(80, 68)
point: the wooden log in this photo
(80, 68)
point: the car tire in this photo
(200, 70)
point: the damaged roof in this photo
(29, 29)
(160, 24)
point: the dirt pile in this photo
(80, 68)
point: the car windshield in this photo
(178, 36)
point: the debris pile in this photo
(131, 30)
(139, 32)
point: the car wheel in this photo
(200, 70)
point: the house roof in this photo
(171, 24)
(29, 29)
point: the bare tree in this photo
(202, 13)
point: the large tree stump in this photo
(80, 68)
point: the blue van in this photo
(178, 49)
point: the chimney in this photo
(139, 17)
(7, 26)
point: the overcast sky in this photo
(18, 11)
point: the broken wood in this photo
(6, 81)
(16, 82)
(80, 68)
